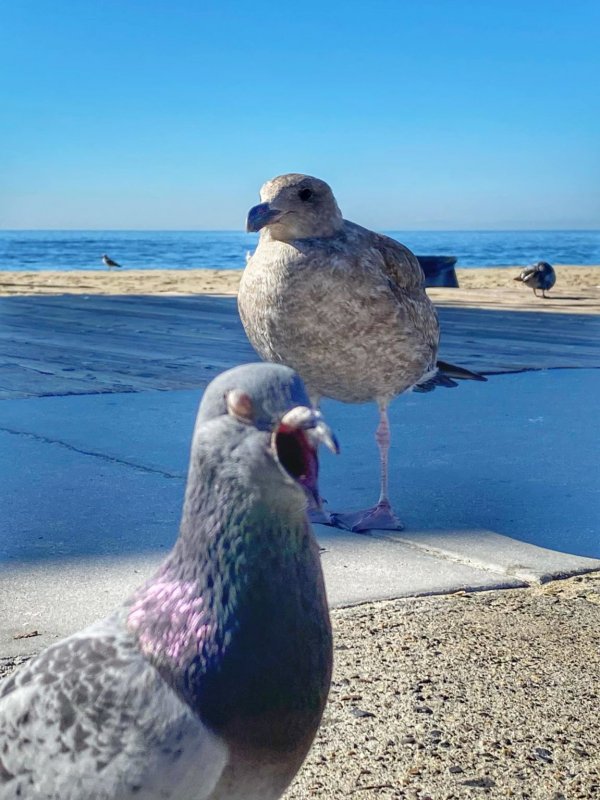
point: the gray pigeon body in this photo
(210, 682)
(538, 276)
(344, 306)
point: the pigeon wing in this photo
(90, 717)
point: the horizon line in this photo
(240, 230)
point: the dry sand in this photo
(133, 281)
(492, 695)
(577, 289)
(462, 696)
(214, 281)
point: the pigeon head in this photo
(295, 207)
(263, 413)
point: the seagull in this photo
(538, 276)
(108, 262)
(210, 681)
(343, 306)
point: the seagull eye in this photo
(305, 194)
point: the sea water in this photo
(65, 250)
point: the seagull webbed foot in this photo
(380, 517)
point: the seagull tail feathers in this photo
(460, 373)
(447, 375)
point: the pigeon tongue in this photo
(298, 457)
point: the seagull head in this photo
(295, 206)
(264, 416)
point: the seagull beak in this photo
(295, 443)
(261, 215)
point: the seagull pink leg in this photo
(382, 437)
(381, 516)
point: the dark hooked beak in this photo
(261, 215)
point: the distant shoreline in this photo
(142, 270)
(225, 281)
(51, 250)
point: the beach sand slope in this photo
(215, 281)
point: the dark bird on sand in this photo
(538, 276)
(210, 681)
(108, 262)
(345, 307)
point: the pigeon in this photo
(108, 262)
(538, 276)
(343, 306)
(210, 681)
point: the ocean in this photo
(66, 250)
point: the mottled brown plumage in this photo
(344, 306)
(346, 309)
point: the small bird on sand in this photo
(108, 262)
(345, 307)
(538, 276)
(210, 681)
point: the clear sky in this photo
(422, 114)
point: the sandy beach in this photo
(577, 289)
(213, 281)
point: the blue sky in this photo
(432, 114)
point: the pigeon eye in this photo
(239, 405)
(305, 194)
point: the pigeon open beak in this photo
(261, 215)
(295, 443)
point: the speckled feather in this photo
(347, 308)
(209, 683)
(91, 718)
